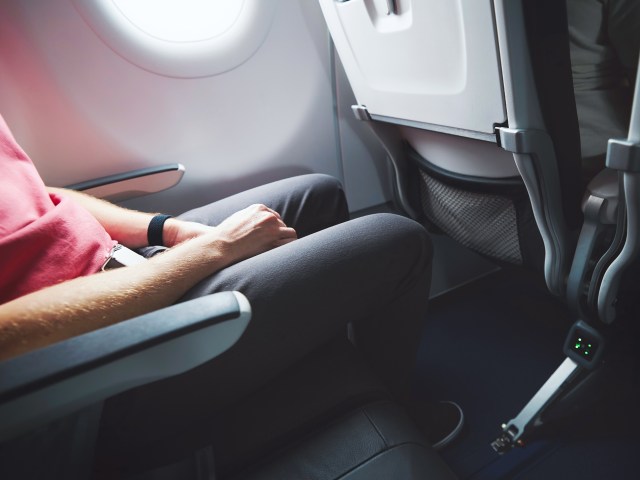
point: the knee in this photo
(325, 198)
(413, 235)
(323, 184)
(400, 237)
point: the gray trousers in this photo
(373, 271)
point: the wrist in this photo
(155, 230)
(171, 232)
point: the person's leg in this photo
(374, 271)
(307, 203)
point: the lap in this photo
(373, 253)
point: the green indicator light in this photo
(577, 345)
(589, 345)
(586, 352)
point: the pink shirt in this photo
(44, 239)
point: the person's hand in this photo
(244, 234)
(260, 216)
(251, 231)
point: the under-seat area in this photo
(327, 417)
(491, 344)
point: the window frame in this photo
(180, 59)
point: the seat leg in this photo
(583, 347)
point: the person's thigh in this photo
(371, 270)
(307, 203)
(374, 271)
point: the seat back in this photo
(467, 86)
(428, 64)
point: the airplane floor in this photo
(490, 345)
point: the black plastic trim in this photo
(121, 177)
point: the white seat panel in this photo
(462, 156)
(432, 62)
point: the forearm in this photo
(129, 227)
(87, 303)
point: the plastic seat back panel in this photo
(433, 62)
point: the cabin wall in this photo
(81, 110)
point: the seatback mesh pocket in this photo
(486, 223)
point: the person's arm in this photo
(87, 303)
(129, 227)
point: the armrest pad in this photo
(51, 382)
(127, 185)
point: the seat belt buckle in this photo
(508, 440)
(122, 256)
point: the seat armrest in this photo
(136, 183)
(54, 381)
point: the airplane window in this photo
(181, 38)
(181, 20)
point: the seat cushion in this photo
(374, 441)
